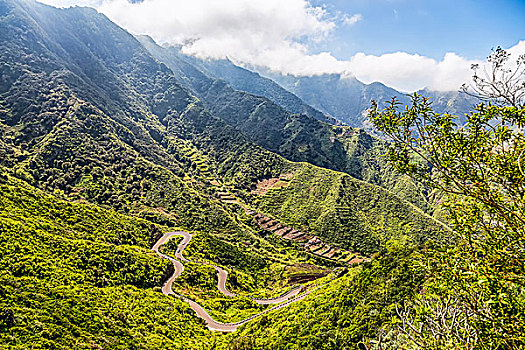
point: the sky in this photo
(405, 44)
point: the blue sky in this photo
(430, 28)
(405, 44)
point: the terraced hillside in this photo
(311, 243)
(298, 137)
(346, 212)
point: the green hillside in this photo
(103, 149)
(88, 281)
(349, 213)
(79, 274)
(356, 310)
(300, 137)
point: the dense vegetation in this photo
(103, 148)
(301, 137)
(79, 274)
(478, 284)
(358, 308)
(40, 315)
(351, 214)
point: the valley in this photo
(154, 199)
(284, 299)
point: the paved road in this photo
(166, 289)
(221, 285)
(201, 312)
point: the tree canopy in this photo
(476, 298)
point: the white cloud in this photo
(518, 49)
(236, 28)
(351, 20)
(277, 34)
(410, 72)
(69, 3)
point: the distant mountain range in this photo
(344, 98)
(348, 99)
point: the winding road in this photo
(221, 285)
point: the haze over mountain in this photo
(343, 98)
(404, 44)
(347, 99)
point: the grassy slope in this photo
(348, 212)
(296, 137)
(348, 311)
(78, 274)
(70, 306)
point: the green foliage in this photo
(23, 203)
(45, 316)
(199, 283)
(31, 252)
(224, 253)
(78, 274)
(366, 160)
(348, 311)
(74, 243)
(478, 167)
(300, 138)
(349, 213)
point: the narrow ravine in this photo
(221, 285)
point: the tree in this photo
(479, 167)
(503, 83)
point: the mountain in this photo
(242, 79)
(297, 137)
(264, 122)
(105, 147)
(451, 102)
(347, 99)
(92, 115)
(342, 97)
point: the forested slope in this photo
(102, 148)
(298, 137)
(124, 133)
(355, 310)
(79, 274)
